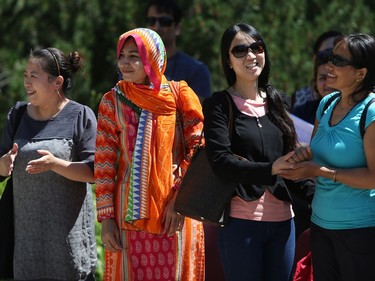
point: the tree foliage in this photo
(92, 27)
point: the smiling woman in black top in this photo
(258, 241)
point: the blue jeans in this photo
(257, 251)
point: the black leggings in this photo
(343, 255)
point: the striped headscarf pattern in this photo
(136, 127)
(150, 170)
(151, 50)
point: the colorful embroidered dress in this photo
(133, 170)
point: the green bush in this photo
(92, 27)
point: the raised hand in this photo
(7, 161)
(42, 164)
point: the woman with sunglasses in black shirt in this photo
(258, 241)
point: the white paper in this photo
(304, 129)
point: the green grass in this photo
(98, 229)
(2, 186)
(100, 265)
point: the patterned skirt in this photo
(148, 256)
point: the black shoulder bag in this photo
(204, 196)
(7, 215)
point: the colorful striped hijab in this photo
(151, 171)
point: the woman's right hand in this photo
(111, 236)
(7, 161)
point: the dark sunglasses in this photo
(241, 51)
(339, 61)
(163, 21)
(323, 55)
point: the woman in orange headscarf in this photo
(136, 174)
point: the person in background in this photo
(164, 17)
(323, 44)
(258, 242)
(144, 238)
(307, 111)
(343, 162)
(52, 162)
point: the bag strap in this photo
(230, 115)
(363, 116)
(175, 89)
(18, 110)
(19, 114)
(329, 101)
(230, 119)
(362, 122)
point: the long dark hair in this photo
(276, 109)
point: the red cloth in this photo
(304, 269)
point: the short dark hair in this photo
(167, 6)
(324, 36)
(54, 62)
(362, 49)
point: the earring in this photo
(58, 93)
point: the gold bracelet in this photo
(334, 175)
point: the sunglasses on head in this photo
(339, 61)
(241, 51)
(163, 21)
